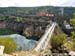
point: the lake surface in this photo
(21, 42)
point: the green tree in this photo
(73, 35)
(72, 21)
(18, 19)
(58, 41)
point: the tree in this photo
(18, 19)
(73, 35)
(72, 21)
(57, 42)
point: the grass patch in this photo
(10, 45)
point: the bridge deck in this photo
(43, 42)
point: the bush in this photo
(73, 35)
(9, 44)
(70, 45)
(73, 46)
(18, 19)
(58, 41)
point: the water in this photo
(22, 43)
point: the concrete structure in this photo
(1, 49)
(43, 42)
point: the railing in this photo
(43, 42)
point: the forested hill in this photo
(33, 10)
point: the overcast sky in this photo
(33, 3)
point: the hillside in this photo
(33, 10)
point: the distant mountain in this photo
(34, 10)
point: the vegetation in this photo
(33, 10)
(73, 45)
(9, 44)
(69, 45)
(73, 35)
(58, 41)
(18, 19)
(72, 21)
(7, 32)
(6, 13)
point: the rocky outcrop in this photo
(27, 29)
(3, 25)
(15, 26)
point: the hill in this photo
(33, 10)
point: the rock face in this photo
(33, 31)
(2, 24)
(28, 31)
(27, 28)
(22, 43)
(15, 26)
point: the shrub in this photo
(58, 41)
(73, 45)
(9, 44)
(18, 19)
(73, 35)
(70, 45)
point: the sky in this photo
(34, 3)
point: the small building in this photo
(40, 14)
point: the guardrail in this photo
(43, 42)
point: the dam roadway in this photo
(43, 42)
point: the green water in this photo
(7, 32)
